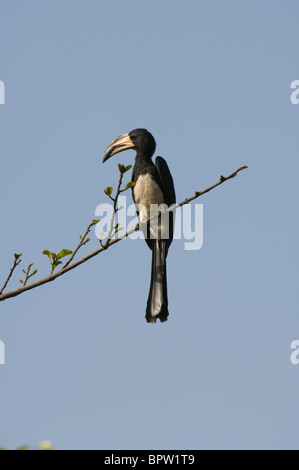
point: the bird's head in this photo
(139, 139)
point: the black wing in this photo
(169, 193)
(167, 181)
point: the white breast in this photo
(147, 192)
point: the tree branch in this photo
(82, 242)
(109, 242)
(222, 179)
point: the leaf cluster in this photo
(55, 258)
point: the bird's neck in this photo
(143, 162)
(143, 155)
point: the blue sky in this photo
(211, 81)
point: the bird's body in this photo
(153, 188)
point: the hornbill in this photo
(153, 186)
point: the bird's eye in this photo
(133, 137)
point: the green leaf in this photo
(63, 253)
(130, 185)
(50, 255)
(108, 190)
(123, 169)
(95, 221)
(197, 193)
(56, 263)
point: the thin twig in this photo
(79, 246)
(27, 274)
(221, 180)
(106, 244)
(109, 241)
(15, 264)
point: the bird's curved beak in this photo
(119, 144)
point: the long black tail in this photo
(157, 304)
